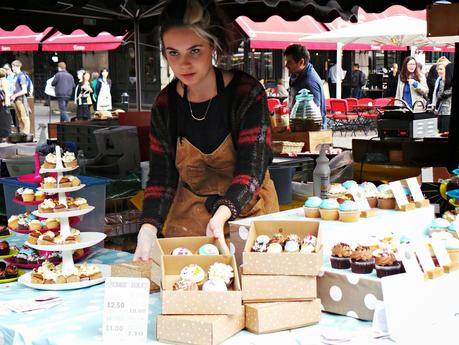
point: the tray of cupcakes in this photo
(67, 183)
(27, 196)
(52, 241)
(53, 163)
(56, 277)
(26, 222)
(30, 258)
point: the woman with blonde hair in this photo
(412, 87)
(210, 136)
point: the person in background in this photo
(439, 84)
(432, 75)
(281, 90)
(411, 86)
(334, 73)
(210, 136)
(304, 76)
(11, 79)
(80, 75)
(392, 81)
(443, 95)
(5, 116)
(19, 98)
(103, 91)
(94, 77)
(358, 80)
(64, 84)
(83, 96)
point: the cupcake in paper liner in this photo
(221, 271)
(371, 193)
(341, 256)
(362, 261)
(329, 209)
(311, 207)
(386, 263)
(349, 211)
(386, 199)
(338, 192)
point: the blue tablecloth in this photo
(79, 319)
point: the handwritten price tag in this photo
(399, 193)
(126, 303)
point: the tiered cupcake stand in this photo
(87, 239)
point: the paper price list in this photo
(126, 310)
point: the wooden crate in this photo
(310, 139)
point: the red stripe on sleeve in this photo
(241, 179)
(154, 192)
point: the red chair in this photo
(382, 102)
(352, 102)
(342, 119)
(366, 101)
(272, 102)
(285, 102)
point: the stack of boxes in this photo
(279, 290)
(196, 317)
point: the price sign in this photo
(359, 197)
(423, 255)
(415, 190)
(410, 261)
(399, 193)
(126, 303)
(440, 252)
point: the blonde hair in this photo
(443, 59)
(204, 19)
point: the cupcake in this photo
(13, 222)
(309, 244)
(439, 224)
(81, 203)
(74, 180)
(60, 208)
(11, 271)
(386, 199)
(193, 272)
(4, 231)
(69, 160)
(23, 224)
(181, 251)
(185, 285)
(28, 195)
(49, 182)
(46, 239)
(39, 195)
(261, 244)
(221, 271)
(349, 211)
(4, 248)
(274, 248)
(33, 237)
(329, 209)
(18, 193)
(311, 207)
(214, 285)
(337, 191)
(371, 193)
(208, 249)
(386, 263)
(277, 238)
(50, 161)
(65, 182)
(362, 261)
(35, 225)
(52, 224)
(341, 256)
(349, 184)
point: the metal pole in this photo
(138, 67)
(339, 64)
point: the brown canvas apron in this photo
(203, 175)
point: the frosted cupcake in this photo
(329, 209)
(337, 191)
(349, 211)
(221, 271)
(386, 263)
(371, 193)
(362, 261)
(341, 256)
(439, 224)
(311, 207)
(349, 184)
(386, 199)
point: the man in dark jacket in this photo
(64, 84)
(304, 76)
(358, 80)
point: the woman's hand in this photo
(145, 240)
(217, 222)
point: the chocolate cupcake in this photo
(341, 256)
(11, 271)
(4, 248)
(386, 263)
(362, 261)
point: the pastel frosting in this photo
(349, 205)
(313, 201)
(349, 184)
(208, 249)
(452, 226)
(337, 188)
(385, 192)
(329, 204)
(369, 189)
(439, 223)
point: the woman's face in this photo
(411, 65)
(441, 70)
(86, 77)
(189, 55)
(104, 74)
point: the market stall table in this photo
(78, 320)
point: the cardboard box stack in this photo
(196, 316)
(139, 269)
(279, 290)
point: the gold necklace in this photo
(205, 114)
